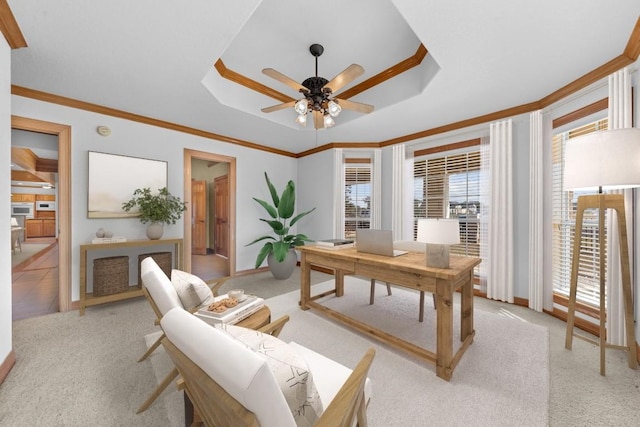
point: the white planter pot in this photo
(155, 230)
(283, 270)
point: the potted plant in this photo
(155, 208)
(278, 249)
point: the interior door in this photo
(199, 217)
(222, 215)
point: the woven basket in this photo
(163, 259)
(110, 275)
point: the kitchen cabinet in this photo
(23, 197)
(33, 228)
(40, 228)
(48, 228)
(46, 197)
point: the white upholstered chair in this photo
(162, 297)
(412, 246)
(232, 384)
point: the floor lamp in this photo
(604, 160)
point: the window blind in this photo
(449, 187)
(357, 192)
(564, 222)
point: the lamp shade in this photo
(608, 159)
(438, 231)
(14, 222)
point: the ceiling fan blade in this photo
(283, 79)
(356, 106)
(318, 120)
(278, 107)
(351, 73)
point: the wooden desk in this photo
(409, 271)
(87, 299)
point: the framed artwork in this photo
(113, 178)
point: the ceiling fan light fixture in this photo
(318, 93)
(328, 121)
(334, 108)
(302, 106)
(301, 119)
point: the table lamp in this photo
(14, 222)
(603, 160)
(438, 234)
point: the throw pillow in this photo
(192, 290)
(289, 369)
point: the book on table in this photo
(331, 243)
(232, 315)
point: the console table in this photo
(87, 299)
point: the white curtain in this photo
(485, 209)
(500, 272)
(619, 118)
(397, 192)
(376, 194)
(536, 211)
(338, 195)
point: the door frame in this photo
(203, 155)
(63, 132)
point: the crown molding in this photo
(9, 27)
(107, 111)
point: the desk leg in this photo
(339, 279)
(305, 282)
(466, 309)
(444, 329)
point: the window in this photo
(564, 219)
(448, 186)
(357, 198)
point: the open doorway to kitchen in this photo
(45, 272)
(209, 233)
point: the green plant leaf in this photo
(260, 239)
(297, 217)
(266, 249)
(287, 201)
(162, 207)
(272, 190)
(280, 250)
(270, 209)
(276, 225)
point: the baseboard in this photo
(6, 366)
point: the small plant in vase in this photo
(155, 208)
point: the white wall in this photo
(5, 196)
(314, 189)
(139, 140)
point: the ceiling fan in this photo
(317, 92)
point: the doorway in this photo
(63, 222)
(209, 226)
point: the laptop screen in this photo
(379, 242)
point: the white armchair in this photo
(162, 296)
(233, 384)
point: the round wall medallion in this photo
(104, 130)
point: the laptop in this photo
(379, 242)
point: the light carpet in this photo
(502, 379)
